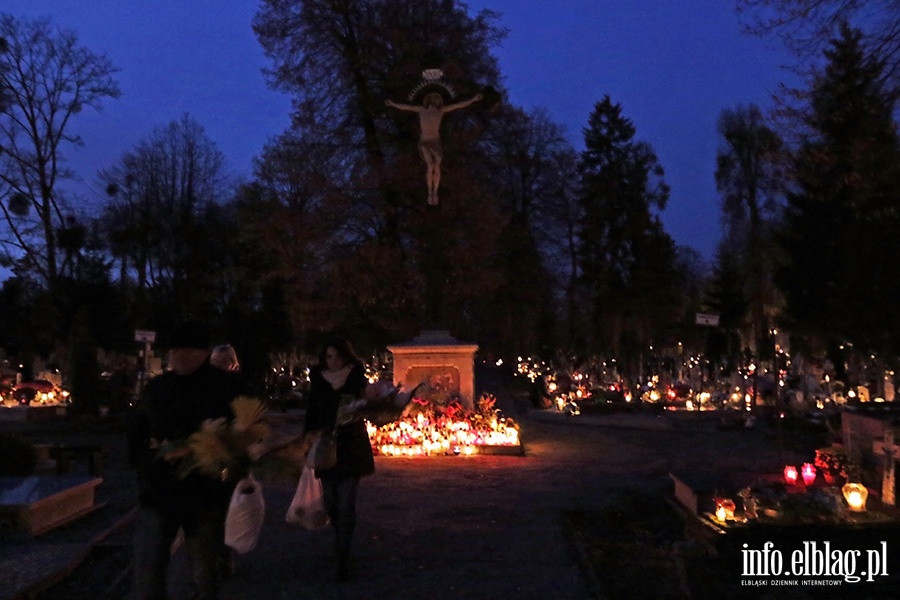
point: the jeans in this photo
(340, 504)
(155, 530)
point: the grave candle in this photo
(724, 509)
(855, 494)
(790, 474)
(809, 473)
(721, 515)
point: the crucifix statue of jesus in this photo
(430, 113)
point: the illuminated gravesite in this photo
(445, 417)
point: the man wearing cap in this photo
(172, 407)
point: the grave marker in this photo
(889, 451)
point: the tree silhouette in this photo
(46, 79)
(841, 220)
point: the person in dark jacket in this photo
(173, 406)
(340, 374)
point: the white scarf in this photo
(338, 378)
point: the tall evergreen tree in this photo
(840, 223)
(627, 259)
(808, 26)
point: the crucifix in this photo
(889, 451)
(431, 112)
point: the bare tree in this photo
(46, 79)
(161, 194)
(750, 179)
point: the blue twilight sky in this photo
(673, 65)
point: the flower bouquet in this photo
(381, 404)
(230, 449)
(835, 463)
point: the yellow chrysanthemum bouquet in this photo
(230, 449)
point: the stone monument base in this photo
(444, 364)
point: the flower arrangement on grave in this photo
(229, 449)
(836, 464)
(433, 428)
(382, 403)
(776, 500)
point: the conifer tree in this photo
(840, 281)
(627, 258)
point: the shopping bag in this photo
(323, 454)
(245, 517)
(307, 509)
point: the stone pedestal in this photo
(443, 363)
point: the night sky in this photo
(672, 65)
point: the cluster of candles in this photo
(53, 397)
(855, 494)
(423, 436)
(807, 471)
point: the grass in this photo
(628, 546)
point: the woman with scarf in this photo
(340, 375)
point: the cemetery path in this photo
(483, 527)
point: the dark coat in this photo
(354, 451)
(172, 407)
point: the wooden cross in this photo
(890, 451)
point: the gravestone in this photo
(861, 425)
(868, 434)
(889, 451)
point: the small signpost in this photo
(143, 335)
(707, 319)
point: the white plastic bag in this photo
(307, 509)
(246, 514)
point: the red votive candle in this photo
(809, 473)
(790, 474)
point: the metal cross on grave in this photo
(890, 452)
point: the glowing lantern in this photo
(724, 509)
(809, 473)
(855, 494)
(790, 474)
